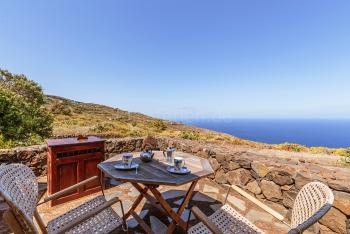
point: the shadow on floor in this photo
(159, 223)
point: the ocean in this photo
(334, 133)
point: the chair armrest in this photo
(68, 190)
(258, 203)
(205, 220)
(90, 214)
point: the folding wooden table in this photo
(151, 175)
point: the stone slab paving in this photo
(208, 197)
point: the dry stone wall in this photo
(276, 180)
(272, 179)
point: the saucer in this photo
(183, 170)
(122, 166)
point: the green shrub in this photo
(159, 125)
(103, 127)
(346, 156)
(23, 117)
(291, 147)
(61, 108)
(189, 135)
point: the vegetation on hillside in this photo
(23, 117)
(73, 118)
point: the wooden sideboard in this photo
(71, 161)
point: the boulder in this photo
(301, 180)
(286, 187)
(277, 207)
(281, 177)
(196, 149)
(239, 177)
(342, 201)
(325, 230)
(209, 152)
(233, 166)
(261, 169)
(340, 185)
(288, 198)
(230, 165)
(334, 220)
(7, 155)
(271, 190)
(253, 187)
(220, 177)
(214, 163)
(220, 158)
(245, 163)
(261, 197)
(202, 154)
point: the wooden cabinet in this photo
(70, 161)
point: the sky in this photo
(186, 59)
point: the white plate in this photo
(183, 170)
(122, 166)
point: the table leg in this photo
(142, 223)
(136, 202)
(159, 202)
(182, 207)
(176, 216)
(150, 198)
(143, 194)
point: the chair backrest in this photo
(312, 202)
(19, 187)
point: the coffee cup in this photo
(127, 159)
(179, 163)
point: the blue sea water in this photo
(309, 132)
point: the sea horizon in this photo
(310, 132)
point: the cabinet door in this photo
(67, 176)
(90, 169)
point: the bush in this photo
(61, 108)
(291, 147)
(103, 127)
(346, 156)
(159, 125)
(23, 117)
(189, 135)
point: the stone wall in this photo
(274, 179)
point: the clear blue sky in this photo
(186, 58)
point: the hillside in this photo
(72, 118)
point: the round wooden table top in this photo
(155, 172)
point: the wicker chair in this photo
(19, 188)
(311, 204)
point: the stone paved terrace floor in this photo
(208, 197)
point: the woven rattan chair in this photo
(19, 187)
(311, 204)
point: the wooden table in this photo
(152, 174)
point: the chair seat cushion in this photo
(103, 222)
(228, 220)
